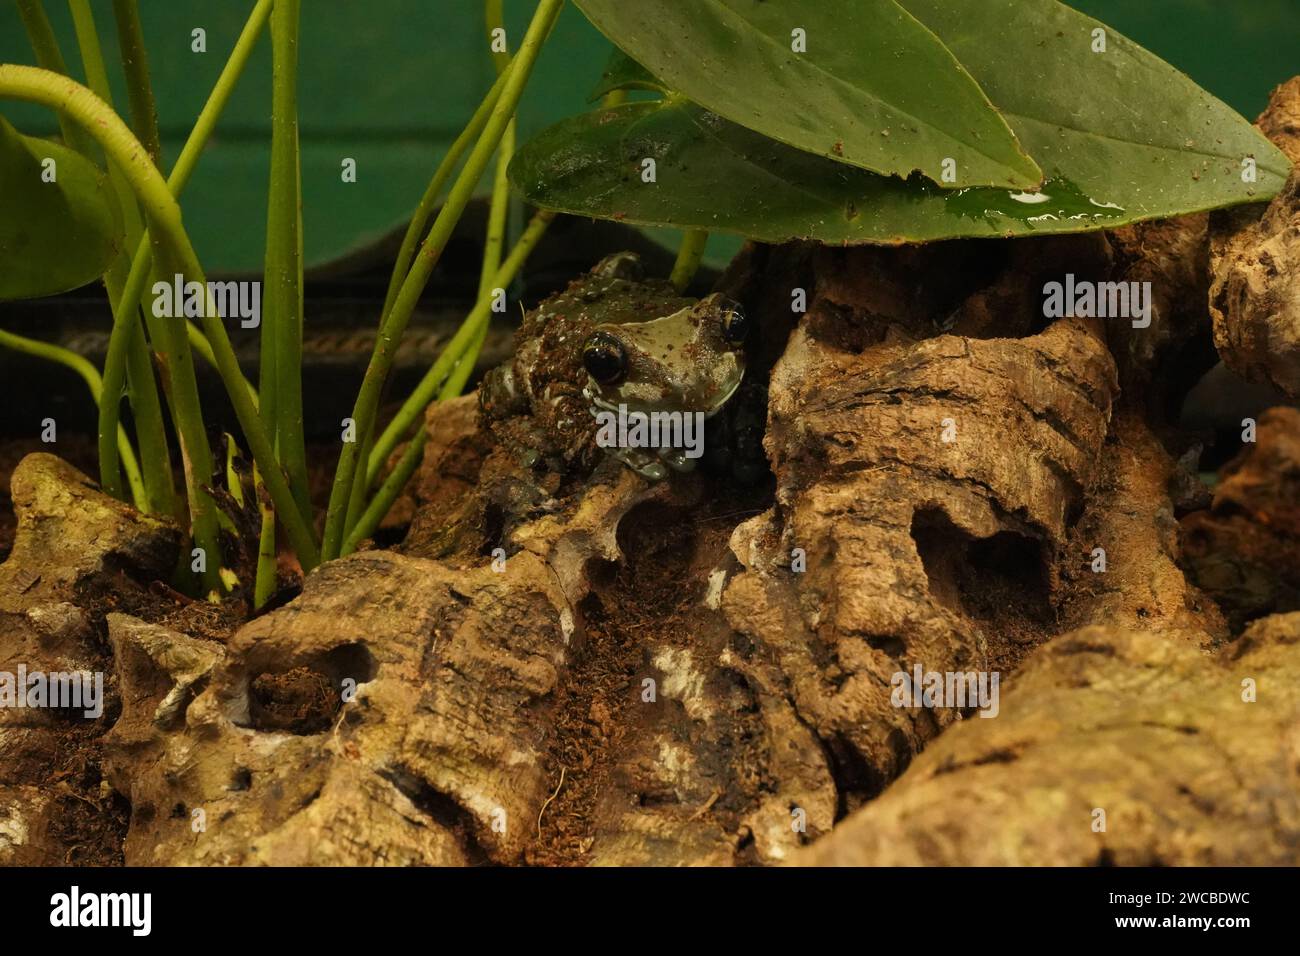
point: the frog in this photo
(616, 342)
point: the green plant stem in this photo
(368, 521)
(46, 48)
(91, 377)
(498, 213)
(147, 413)
(49, 57)
(282, 318)
(493, 248)
(494, 18)
(429, 201)
(92, 61)
(145, 404)
(409, 414)
(142, 261)
(689, 255)
(139, 90)
(128, 303)
(172, 248)
(267, 556)
(394, 324)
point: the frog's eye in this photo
(604, 358)
(735, 324)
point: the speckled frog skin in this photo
(614, 338)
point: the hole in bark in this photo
(889, 644)
(494, 528)
(853, 775)
(307, 698)
(1001, 580)
(300, 701)
(347, 661)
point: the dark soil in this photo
(300, 701)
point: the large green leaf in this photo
(1119, 120)
(713, 174)
(1122, 136)
(874, 89)
(54, 236)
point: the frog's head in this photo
(690, 361)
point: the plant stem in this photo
(147, 413)
(494, 18)
(379, 506)
(369, 518)
(145, 405)
(409, 414)
(176, 182)
(264, 586)
(282, 321)
(142, 261)
(689, 255)
(410, 241)
(135, 63)
(49, 57)
(395, 322)
(92, 61)
(91, 377)
(499, 211)
(172, 248)
(428, 202)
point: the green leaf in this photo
(874, 89)
(1122, 136)
(624, 73)
(54, 236)
(713, 174)
(1122, 121)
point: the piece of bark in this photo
(76, 552)
(1161, 361)
(69, 535)
(447, 472)
(429, 750)
(1183, 759)
(1120, 567)
(1245, 549)
(1280, 121)
(927, 489)
(447, 747)
(1255, 265)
